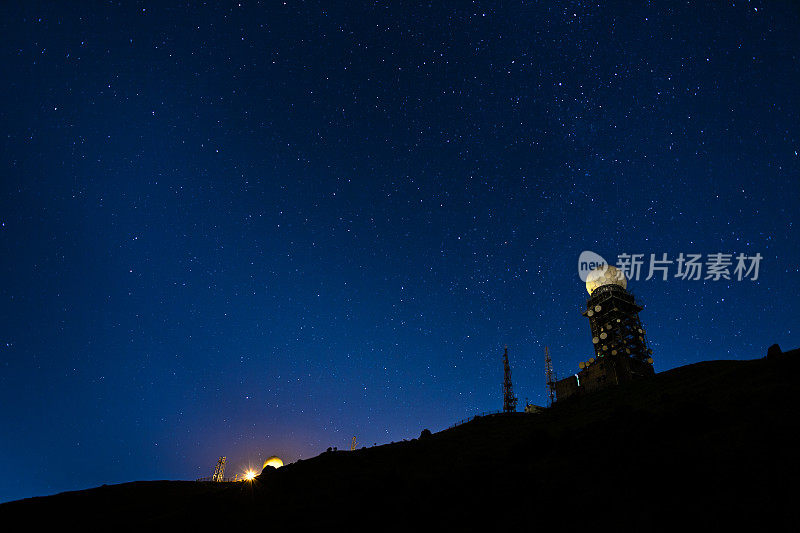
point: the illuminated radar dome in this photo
(605, 275)
(273, 461)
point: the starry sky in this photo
(260, 228)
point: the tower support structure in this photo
(219, 471)
(613, 315)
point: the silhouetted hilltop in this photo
(707, 445)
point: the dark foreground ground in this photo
(712, 445)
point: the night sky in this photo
(263, 228)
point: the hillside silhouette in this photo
(710, 445)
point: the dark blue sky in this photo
(263, 229)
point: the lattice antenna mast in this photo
(219, 471)
(353, 444)
(550, 375)
(509, 400)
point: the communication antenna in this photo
(550, 375)
(353, 444)
(509, 400)
(219, 471)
